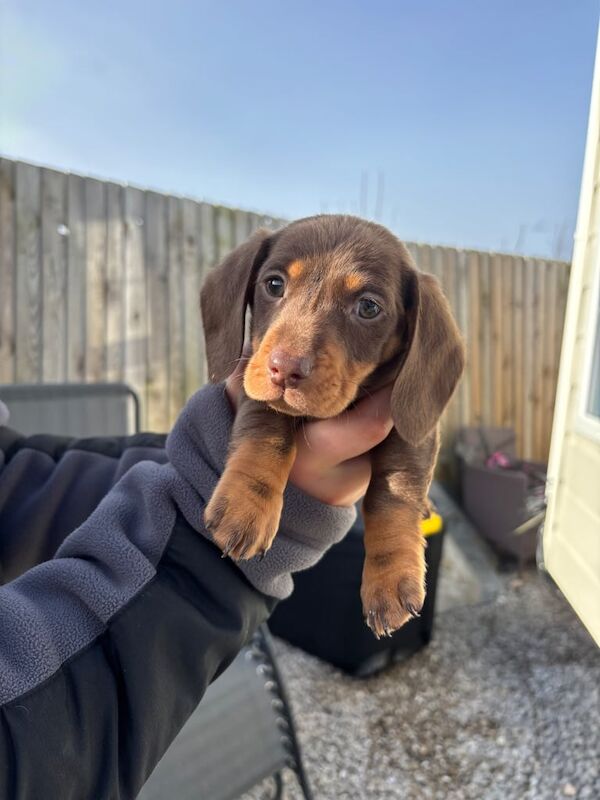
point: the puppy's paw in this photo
(392, 600)
(243, 516)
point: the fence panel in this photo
(28, 277)
(100, 281)
(75, 296)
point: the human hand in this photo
(332, 462)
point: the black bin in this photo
(324, 614)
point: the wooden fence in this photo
(100, 281)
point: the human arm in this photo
(107, 648)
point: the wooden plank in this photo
(76, 279)
(474, 337)
(157, 368)
(253, 223)
(539, 304)
(194, 356)
(208, 243)
(508, 344)
(464, 323)
(436, 264)
(485, 340)
(240, 227)
(563, 275)
(518, 312)
(423, 258)
(95, 215)
(528, 358)
(54, 274)
(8, 270)
(136, 335)
(115, 283)
(208, 253)
(550, 356)
(28, 350)
(224, 231)
(175, 275)
(496, 337)
(563, 278)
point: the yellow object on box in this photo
(433, 524)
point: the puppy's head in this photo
(337, 308)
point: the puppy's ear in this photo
(434, 359)
(224, 298)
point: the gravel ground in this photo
(504, 703)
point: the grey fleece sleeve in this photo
(49, 486)
(197, 448)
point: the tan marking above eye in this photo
(353, 281)
(295, 269)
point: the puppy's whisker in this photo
(236, 361)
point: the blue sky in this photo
(473, 112)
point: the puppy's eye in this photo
(275, 286)
(368, 309)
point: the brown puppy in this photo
(338, 311)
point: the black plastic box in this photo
(324, 614)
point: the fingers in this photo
(351, 433)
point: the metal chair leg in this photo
(294, 744)
(278, 779)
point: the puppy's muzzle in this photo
(287, 371)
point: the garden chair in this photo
(72, 409)
(242, 732)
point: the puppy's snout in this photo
(286, 370)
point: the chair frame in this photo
(262, 651)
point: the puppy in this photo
(338, 310)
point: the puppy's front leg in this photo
(393, 582)
(244, 511)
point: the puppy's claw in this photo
(241, 530)
(241, 553)
(390, 611)
(412, 610)
(226, 551)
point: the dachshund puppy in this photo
(338, 310)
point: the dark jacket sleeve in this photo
(106, 649)
(49, 485)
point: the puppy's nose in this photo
(288, 370)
